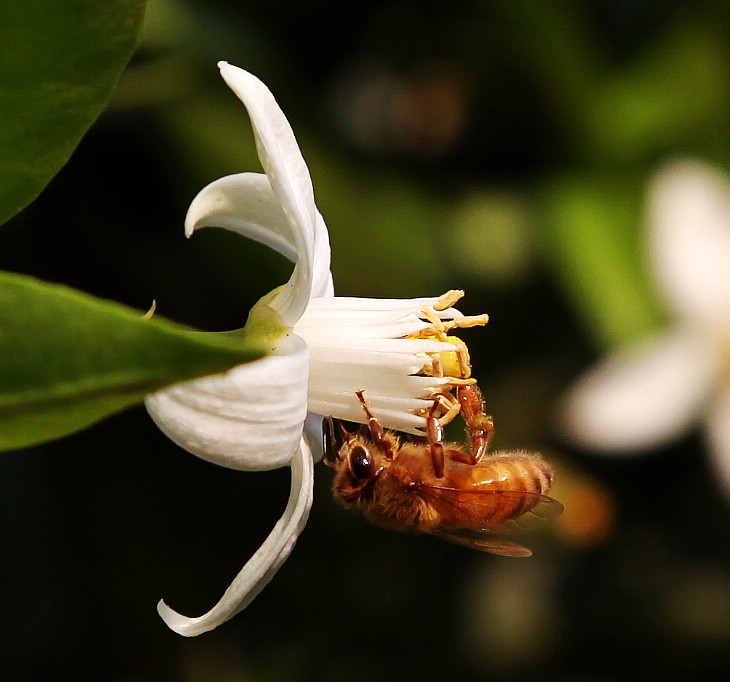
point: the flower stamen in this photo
(453, 365)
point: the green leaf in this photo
(68, 359)
(59, 64)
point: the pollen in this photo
(452, 365)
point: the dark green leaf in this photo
(59, 63)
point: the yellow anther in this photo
(448, 299)
(453, 365)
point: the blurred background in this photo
(502, 147)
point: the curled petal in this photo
(290, 181)
(245, 204)
(322, 285)
(643, 396)
(689, 241)
(250, 417)
(262, 566)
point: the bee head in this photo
(353, 459)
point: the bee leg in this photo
(377, 432)
(329, 444)
(435, 438)
(479, 424)
(334, 435)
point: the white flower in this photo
(653, 391)
(324, 348)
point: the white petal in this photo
(322, 285)
(355, 303)
(718, 434)
(689, 241)
(313, 434)
(290, 181)
(262, 566)
(245, 203)
(642, 396)
(248, 418)
(388, 379)
(359, 344)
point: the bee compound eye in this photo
(360, 462)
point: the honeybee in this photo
(444, 489)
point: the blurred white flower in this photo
(323, 348)
(649, 393)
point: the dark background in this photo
(437, 136)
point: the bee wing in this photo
(538, 509)
(546, 509)
(482, 540)
(481, 534)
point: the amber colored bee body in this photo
(440, 488)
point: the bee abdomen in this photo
(522, 479)
(522, 471)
